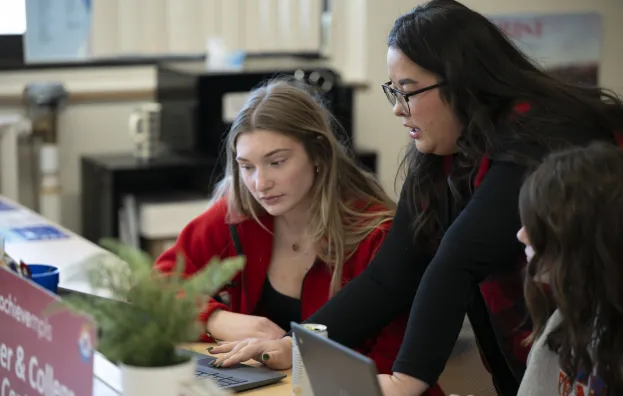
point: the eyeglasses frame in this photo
(406, 95)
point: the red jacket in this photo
(208, 235)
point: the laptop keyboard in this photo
(222, 379)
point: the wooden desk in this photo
(281, 388)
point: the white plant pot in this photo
(157, 381)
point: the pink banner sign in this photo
(42, 354)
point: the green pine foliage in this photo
(153, 313)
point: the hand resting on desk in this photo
(275, 354)
(232, 326)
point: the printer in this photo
(198, 106)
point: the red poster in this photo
(41, 354)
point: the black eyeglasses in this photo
(395, 95)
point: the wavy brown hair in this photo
(485, 76)
(341, 191)
(572, 211)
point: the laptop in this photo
(237, 378)
(333, 369)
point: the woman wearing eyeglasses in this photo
(480, 114)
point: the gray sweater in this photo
(544, 377)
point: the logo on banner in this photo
(85, 346)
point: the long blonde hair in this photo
(341, 191)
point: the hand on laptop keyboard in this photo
(276, 354)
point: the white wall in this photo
(375, 123)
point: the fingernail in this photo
(219, 365)
(265, 356)
(209, 349)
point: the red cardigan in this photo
(208, 235)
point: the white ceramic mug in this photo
(144, 126)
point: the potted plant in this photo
(154, 314)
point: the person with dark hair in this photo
(571, 209)
(481, 115)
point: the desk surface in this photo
(282, 388)
(67, 251)
(57, 246)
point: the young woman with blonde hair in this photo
(306, 217)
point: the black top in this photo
(277, 307)
(481, 240)
(483, 235)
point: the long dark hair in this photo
(486, 76)
(572, 211)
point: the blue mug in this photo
(46, 276)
